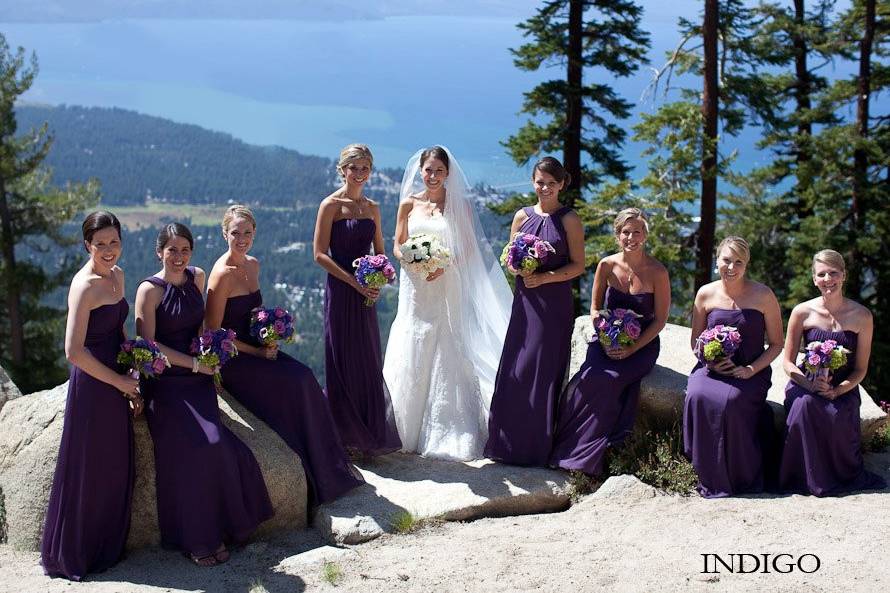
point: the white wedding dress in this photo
(436, 396)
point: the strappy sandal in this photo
(204, 561)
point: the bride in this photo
(445, 342)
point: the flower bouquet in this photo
(618, 327)
(425, 253)
(214, 348)
(373, 271)
(823, 357)
(525, 252)
(272, 325)
(142, 357)
(716, 343)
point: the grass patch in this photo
(880, 440)
(257, 586)
(581, 484)
(654, 454)
(404, 522)
(331, 573)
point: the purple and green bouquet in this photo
(214, 348)
(525, 252)
(373, 271)
(272, 325)
(821, 358)
(618, 327)
(716, 343)
(143, 357)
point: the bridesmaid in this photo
(726, 420)
(538, 342)
(348, 224)
(89, 505)
(280, 390)
(599, 405)
(210, 489)
(822, 454)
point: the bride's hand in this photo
(433, 275)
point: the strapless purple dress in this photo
(726, 421)
(209, 485)
(353, 361)
(88, 516)
(285, 394)
(822, 453)
(599, 405)
(535, 356)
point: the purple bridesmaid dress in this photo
(210, 489)
(726, 421)
(822, 454)
(285, 394)
(536, 353)
(89, 505)
(353, 362)
(599, 405)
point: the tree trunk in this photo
(10, 283)
(802, 92)
(709, 108)
(571, 155)
(860, 158)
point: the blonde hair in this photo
(831, 258)
(352, 153)
(627, 215)
(237, 211)
(737, 245)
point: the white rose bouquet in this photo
(425, 253)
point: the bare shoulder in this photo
(571, 217)
(331, 204)
(802, 310)
(200, 274)
(150, 291)
(608, 262)
(655, 267)
(860, 313)
(520, 216)
(762, 293)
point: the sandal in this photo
(205, 561)
(221, 555)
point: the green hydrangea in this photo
(713, 350)
(838, 359)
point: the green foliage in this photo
(404, 522)
(580, 484)
(654, 454)
(331, 573)
(880, 440)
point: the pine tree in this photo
(32, 213)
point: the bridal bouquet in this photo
(525, 252)
(214, 348)
(373, 271)
(823, 357)
(143, 357)
(271, 325)
(425, 253)
(618, 327)
(720, 341)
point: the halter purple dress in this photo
(285, 394)
(209, 486)
(599, 405)
(88, 516)
(822, 453)
(726, 421)
(536, 353)
(353, 362)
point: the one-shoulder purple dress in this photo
(353, 361)
(822, 453)
(285, 394)
(535, 356)
(599, 405)
(726, 420)
(209, 486)
(88, 516)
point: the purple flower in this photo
(227, 345)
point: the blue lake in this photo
(396, 84)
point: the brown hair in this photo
(354, 152)
(737, 245)
(174, 229)
(550, 165)
(831, 258)
(627, 215)
(435, 152)
(96, 221)
(237, 211)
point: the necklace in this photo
(630, 279)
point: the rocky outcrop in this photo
(663, 390)
(30, 432)
(8, 389)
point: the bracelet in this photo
(194, 364)
(751, 366)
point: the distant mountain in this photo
(99, 10)
(136, 156)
